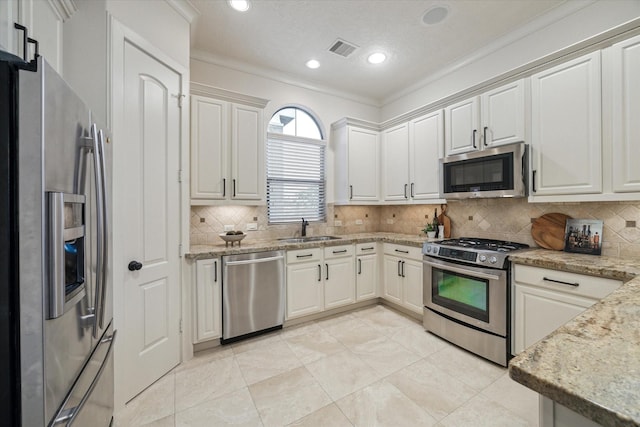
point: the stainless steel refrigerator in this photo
(56, 334)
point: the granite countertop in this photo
(591, 365)
(594, 265)
(250, 245)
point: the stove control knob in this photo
(428, 249)
(482, 258)
(493, 260)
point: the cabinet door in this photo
(565, 128)
(625, 67)
(209, 136)
(412, 285)
(208, 301)
(461, 122)
(339, 282)
(363, 165)
(503, 115)
(395, 158)
(247, 153)
(426, 147)
(8, 35)
(304, 289)
(366, 277)
(538, 312)
(392, 288)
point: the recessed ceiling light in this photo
(377, 58)
(435, 15)
(240, 5)
(313, 64)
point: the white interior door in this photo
(150, 195)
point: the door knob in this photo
(134, 266)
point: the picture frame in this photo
(583, 236)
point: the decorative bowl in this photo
(232, 238)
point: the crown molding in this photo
(227, 95)
(184, 7)
(63, 8)
(350, 121)
(279, 76)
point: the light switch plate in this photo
(228, 227)
(337, 223)
(389, 221)
(252, 226)
(359, 222)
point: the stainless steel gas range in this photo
(466, 294)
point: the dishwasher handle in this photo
(255, 261)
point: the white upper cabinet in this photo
(410, 159)
(357, 165)
(566, 128)
(44, 21)
(426, 136)
(395, 157)
(494, 118)
(625, 114)
(227, 152)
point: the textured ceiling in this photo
(279, 36)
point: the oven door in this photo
(474, 295)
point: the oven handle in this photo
(446, 266)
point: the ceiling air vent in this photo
(342, 48)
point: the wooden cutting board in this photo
(548, 230)
(444, 220)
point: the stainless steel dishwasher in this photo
(253, 294)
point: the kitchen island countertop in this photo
(591, 365)
(249, 245)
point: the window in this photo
(295, 168)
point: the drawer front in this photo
(577, 284)
(403, 251)
(304, 255)
(366, 248)
(338, 251)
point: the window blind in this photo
(295, 179)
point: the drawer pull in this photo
(340, 252)
(402, 252)
(367, 249)
(575, 284)
(304, 256)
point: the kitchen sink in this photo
(307, 239)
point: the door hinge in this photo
(180, 325)
(180, 252)
(179, 175)
(180, 98)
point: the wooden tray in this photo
(548, 230)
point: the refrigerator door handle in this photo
(67, 415)
(105, 231)
(100, 228)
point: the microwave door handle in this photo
(105, 229)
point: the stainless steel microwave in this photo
(490, 173)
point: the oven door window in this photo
(464, 294)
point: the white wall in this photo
(592, 19)
(327, 108)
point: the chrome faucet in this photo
(304, 227)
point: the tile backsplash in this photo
(507, 219)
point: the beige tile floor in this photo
(371, 367)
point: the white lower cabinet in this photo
(339, 276)
(208, 301)
(544, 300)
(366, 271)
(319, 279)
(403, 276)
(304, 282)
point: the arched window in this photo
(295, 167)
